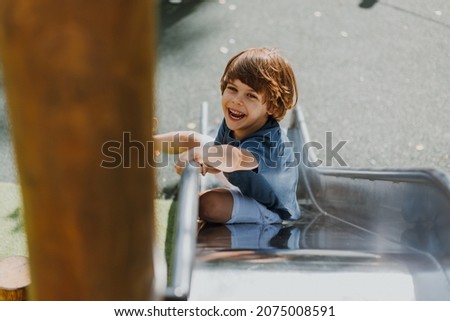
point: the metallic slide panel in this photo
(365, 234)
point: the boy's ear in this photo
(275, 112)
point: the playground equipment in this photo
(365, 234)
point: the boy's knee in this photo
(216, 206)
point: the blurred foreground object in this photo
(79, 74)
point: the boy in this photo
(258, 88)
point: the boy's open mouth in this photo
(235, 115)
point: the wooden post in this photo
(79, 74)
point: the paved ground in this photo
(377, 77)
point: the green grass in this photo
(170, 238)
(12, 231)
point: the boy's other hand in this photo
(208, 169)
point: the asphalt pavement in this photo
(375, 74)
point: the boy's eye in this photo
(252, 96)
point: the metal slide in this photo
(364, 235)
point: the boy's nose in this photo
(237, 100)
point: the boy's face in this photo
(243, 109)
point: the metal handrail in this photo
(185, 235)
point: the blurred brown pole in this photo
(79, 73)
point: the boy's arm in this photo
(176, 142)
(225, 158)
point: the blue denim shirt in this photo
(274, 182)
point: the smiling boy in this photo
(258, 88)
